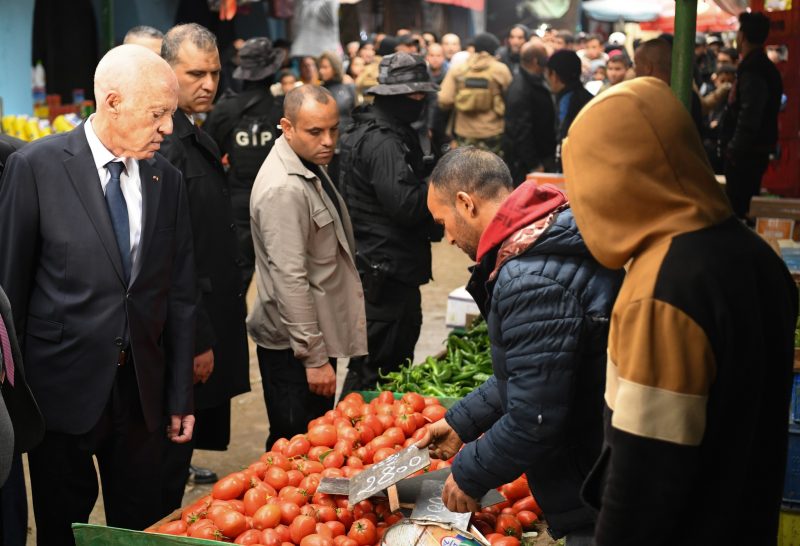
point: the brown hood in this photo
(636, 172)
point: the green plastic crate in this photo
(97, 535)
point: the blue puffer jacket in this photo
(542, 411)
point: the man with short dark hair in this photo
(750, 125)
(220, 341)
(146, 36)
(547, 303)
(310, 306)
(529, 141)
(563, 73)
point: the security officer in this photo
(382, 178)
(244, 128)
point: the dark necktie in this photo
(8, 358)
(118, 210)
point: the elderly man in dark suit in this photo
(96, 258)
(221, 358)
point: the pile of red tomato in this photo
(274, 501)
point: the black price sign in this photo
(430, 507)
(334, 486)
(387, 473)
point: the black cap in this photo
(387, 46)
(401, 74)
(486, 42)
(258, 60)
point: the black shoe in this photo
(202, 475)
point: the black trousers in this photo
(64, 480)
(393, 326)
(14, 506)
(743, 181)
(290, 404)
(178, 457)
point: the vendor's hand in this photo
(442, 440)
(180, 428)
(322, 380)
(203, 366)
(455, 499)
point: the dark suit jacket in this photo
(61, 269)
(221, 309)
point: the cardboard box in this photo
(461, 308)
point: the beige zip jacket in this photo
(309, 293)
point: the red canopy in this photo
(710, 17)
(471, 4)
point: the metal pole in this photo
(107, 24)
(683, 50)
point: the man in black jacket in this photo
(750, 126)
(383, 183)
(221, 357)
(564, 76)
(529, 141)
(244, 128)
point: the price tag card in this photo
(429, 507)
(334, 486)
(387, 472)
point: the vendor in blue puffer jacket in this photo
(547, 303)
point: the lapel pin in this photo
(155, 178)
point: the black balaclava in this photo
(401, 107)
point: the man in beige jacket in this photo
(475, 91)
(310, 305)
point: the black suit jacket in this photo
(221, 308)
(61, 269)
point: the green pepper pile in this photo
(467, 365)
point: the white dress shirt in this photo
(130, 183)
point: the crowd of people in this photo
(629, 318)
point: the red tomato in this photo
(527, 519)
(528, 503)
(355, 462)
(273, 458)
(345, 541)
(309, 484)
(434, 413)
(351, 411)
(402, 408)
(344, 447)
(324, 530)
(259, 468)
(431, 401)
(276, 477)
(364, 453)
(283, 532)
(318, 452)
(322, 435)
(395, 434)
(231, 523)
(229, 487)
(280, 445)
(349, 434)
(295, 477)
(386, 397)
(301, 527)
(249, 537)
(316, 540)
(176, 527)
(253, 500)
(289, 511)
(383, 453)
(345, 516)
(518, 489)
(407, 423)
(416, 401)
(293, 495)
(506, 541)
(354, 397)
(325, 513)
(336, 527)
(365, 433)
(332, 473)
(270, 537)
(209, 532)
(508, 525)
(298, 446)
(484, 528)
(363, 532)
(333, 459)
(237, 505)
(267, 517)
(197, 510)
(374, 423)
(384, 409)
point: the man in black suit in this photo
(96, 258)
(220, 347)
